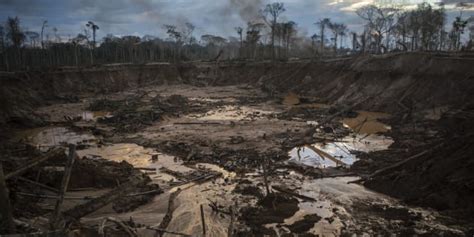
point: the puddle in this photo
(47, 137)
(315, 155)
(367, 122)
(308, 156)
(229, 112)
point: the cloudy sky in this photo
(142, 17)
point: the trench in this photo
(229, 130)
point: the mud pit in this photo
(223, 148)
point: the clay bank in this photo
(370, 145)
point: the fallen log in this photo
(55, 190)
(169, 213)
(64, 184)
(120, 223)
(7, 225)
(53, 153)
(167, 231)
(203, 220)
(294, 194)
(324, 154)
(53, 197)
(397, 165)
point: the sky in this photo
(217, 17)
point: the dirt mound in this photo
(440, 175)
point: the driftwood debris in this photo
(53, 153)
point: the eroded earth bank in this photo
(364, 146)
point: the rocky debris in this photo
(273, 208)
(132, 114)
(246, 187)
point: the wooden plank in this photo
(7, 225)
(64, 184)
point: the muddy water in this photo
(230, 112)
(342, 150)
(367, 122)
(47, 137)
(186, 216)
(335, 198)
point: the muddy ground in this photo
(257, 159)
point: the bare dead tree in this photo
(271, 14)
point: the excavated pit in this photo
(309, 136)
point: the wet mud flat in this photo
(210, 161)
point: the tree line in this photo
(386, 29)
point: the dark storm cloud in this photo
(142, 17)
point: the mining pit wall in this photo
(389, 83)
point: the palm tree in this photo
(322, 25)
(342, 30)
(334, 27)
(240, 31)
(94, 28)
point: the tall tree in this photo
(32, 37)
(14, 32)
(94, 28)
(240, 31)
(177, 36)
(335, 30)
(458, 29)
(43, 27)
(323, 23)
(342, 31)
(271, 14)
(253, 37)
(289, 29)
(380, 21)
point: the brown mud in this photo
(264, 149)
